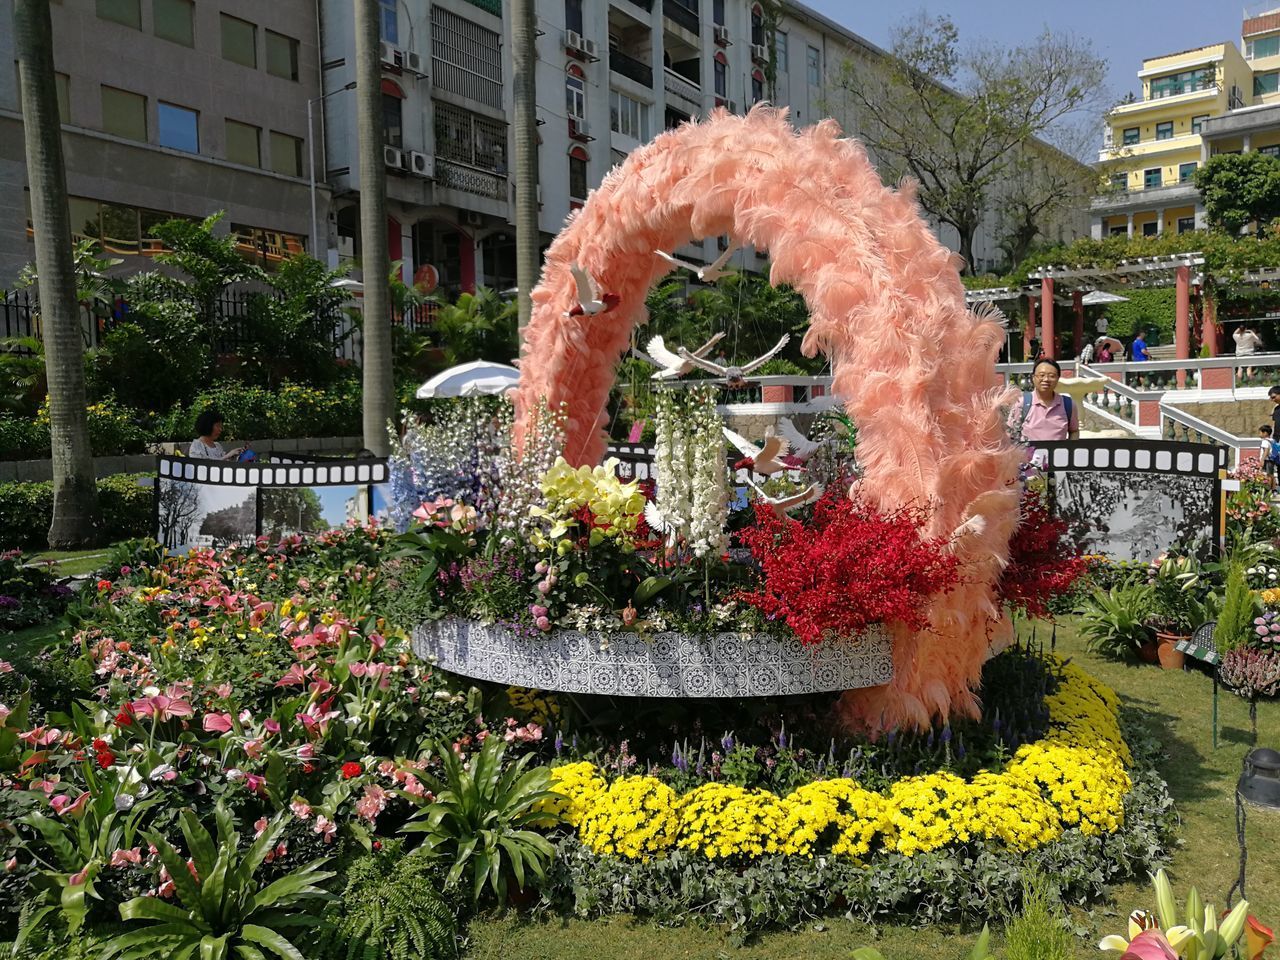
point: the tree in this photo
(479, 326)
(233, 523)
(379, 386)
(1240, 189)
(959, 141)
(178, 505)
(525, 64)
(1041, 180)
(75, 495)
(292, 510)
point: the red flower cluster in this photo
(1043, 562)
(849, 567)
(351, 769)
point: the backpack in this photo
(1275, 451)
(1068, 407)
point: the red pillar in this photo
(466, 262)
(1077, 333)
(1029, 331)
(1182, 320)
(1047, 332)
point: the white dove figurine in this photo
(708, 274)
(735, 375)
(781, 505)
(766, 460)
(670, 364)
(658, 523)
(590, 300)
(802, 448)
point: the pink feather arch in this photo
(886, 306)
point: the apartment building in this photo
(1219, 98)
(171, 108)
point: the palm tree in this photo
(379, 388)
(524, 54)
(75, 496)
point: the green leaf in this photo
(153, 908)
(33, 923)
(649, 588)
(183, 883)
(203, 852)
(271, 941)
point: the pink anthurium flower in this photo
(218, 723)
(162, 707)
(64, 806)
(124, 858)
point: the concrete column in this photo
(1046, 318)
(1159, 221)
(1182, 320)
(1077, 332)
(1248, 143)
(1204, 151)
(1131, 224)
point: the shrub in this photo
(26, 510)
(28, 594)
(1037, 933)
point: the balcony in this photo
(1146, 198)
(681, 14)
(678, 86)
(631, 68)
(492, 6)
(469, 179)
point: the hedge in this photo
(26, 509)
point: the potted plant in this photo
(1179, 604)
(1114, 621)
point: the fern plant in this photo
(1236, 617)
(391, 909)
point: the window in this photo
(1164, 131)
(757, 87)
(1119, 231)
(286, 154)
(239, 41)
(1188, 81)
(814, 66)
(178, 127)
(389, 22)
(1119, 181)
(721, 73)
(1131, 136)
(757, 25)
(573, 15)
(1262, 47)
(128, 12)
(1151, 228)
(578, 174)
(282, 55)
(175, 21)
(244, 144)
(1186, 224)
(392, 121)
(124, 114)
(63, 83)
(1271, 151)
(120, 233)
(1187, 172)
(1196, 121)
(465, 57)
(466, 137)
(628, 117)
(1264, 83)
(717, 12)
(1152, 178)
(780, 50)
(575, 93)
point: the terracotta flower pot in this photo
(1170, 659)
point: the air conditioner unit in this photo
(393, 157)
(578, 129)
(422, 164)
(474, 219)
(721, 34)
(589, 48)
(759, 53)
(573, 40)
(413, 61)
(387, 53)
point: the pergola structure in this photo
(1182, 271)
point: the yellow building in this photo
(1214, 99)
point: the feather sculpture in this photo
(672, 365)
(915, 368)
(708, 274)
(735, 375)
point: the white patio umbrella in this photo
(470, 379)
(1097, 297)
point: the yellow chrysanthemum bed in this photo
(1075, 777)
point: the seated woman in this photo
(1047, 414)
(206, 445)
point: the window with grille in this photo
(466, 137)
(466, 58)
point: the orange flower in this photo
(1257, 936)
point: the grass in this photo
(70, 563)
(21, 645)
(1175, 707)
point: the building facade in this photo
(1220, 98)
(170, 107)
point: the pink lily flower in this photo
(326, 827)
(259, 827)
(218, 723)
(300, 809)
(271, 725)
(295, 676)
(162, 707)
(254, 783)
(1150, 945)
(253, 748)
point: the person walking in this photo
(1138, 349)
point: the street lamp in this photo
(311, 150)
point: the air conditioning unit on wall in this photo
(422, 164)
(393, 157)
(759, 53)
(388, 54)
(721, 34)
(573, 40)
(473, 219)
(413, 62)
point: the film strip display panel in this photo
(1135, 499)
(291, 474)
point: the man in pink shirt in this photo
(1048, 415)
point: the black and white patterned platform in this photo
(660, 665)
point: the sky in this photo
(1123, 33)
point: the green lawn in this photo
(1174, 706)
(19, 646)
(69, 563)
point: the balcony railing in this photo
(682, 87)
(492, 6)
(631, 68)
(468, 179)
(680, 14)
